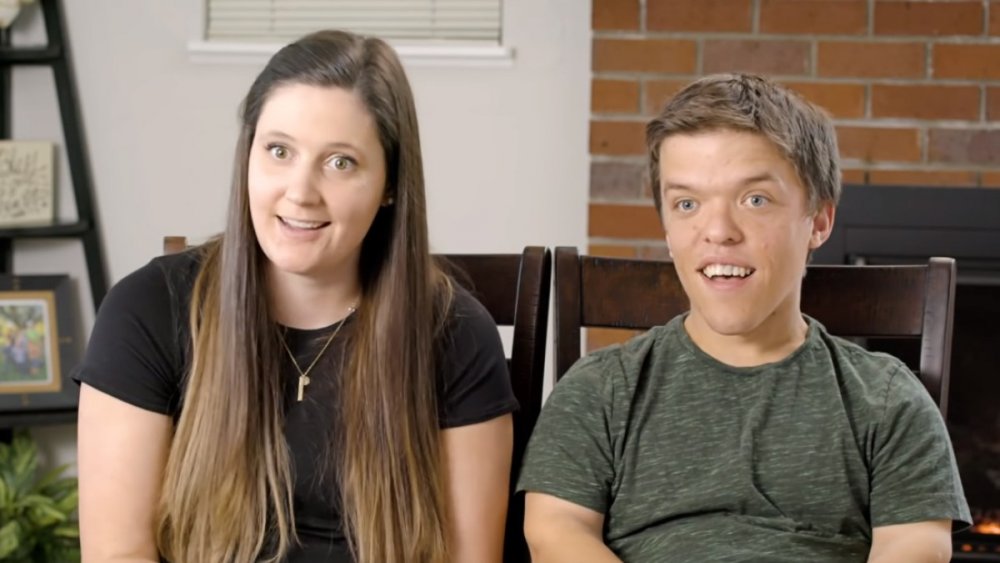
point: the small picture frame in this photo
(27, 185)
(37, 346)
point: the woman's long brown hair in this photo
(227, 492)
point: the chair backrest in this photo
(514, 288)
(851, 301)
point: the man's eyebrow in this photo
(673, 186)
(758, 178)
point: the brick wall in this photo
(913, 86)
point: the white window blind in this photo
(475, 22)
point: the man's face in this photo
(739, 228)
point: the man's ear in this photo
(822, 224)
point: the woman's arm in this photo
(122, 450)
(477, 462)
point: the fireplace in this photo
(899, 225)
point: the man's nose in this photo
(721, 225)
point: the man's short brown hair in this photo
(802, 131)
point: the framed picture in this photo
(27, 187)
(37, 345)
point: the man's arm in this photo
(919, 542)
(560, 531)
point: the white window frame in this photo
(201, 50)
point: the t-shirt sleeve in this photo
(132, 353)
(476, 384)
(571, 451)
(914, 476)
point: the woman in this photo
(309, 386)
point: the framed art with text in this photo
(27, 189)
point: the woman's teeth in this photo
(302, 224)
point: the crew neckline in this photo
(812, 330)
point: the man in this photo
(742, 430)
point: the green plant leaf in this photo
(36, 512)
(19, 541)
(60, 553)
(27, 502)
(45, 515)
(10, 538)
(6, 496)
(51, 476)
(60, 488)
(70, 530)
(23, 466)
(68, 503)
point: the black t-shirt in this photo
(140, 348)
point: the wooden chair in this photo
(913, 302)
(514, 288)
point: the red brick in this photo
(872, 144)
(993, 103)
(964, 146)
(607, 96)
(928, 18)
(960, 60)
(871, 59)
(854, 176)
(598, 338)
(618, 137)
(841, 100)
(611, 251)
(764, 57)
(644, 55)
(698, 15)
(624, 221)
(658, 92)
(990, 179)
(925, 102)
(615, 14)
(617, 180)
(844, 17)
(994, 18)
(923, 177)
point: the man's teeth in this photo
(728, 270)
(302, 224)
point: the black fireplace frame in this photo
(915, 223)
(909, 224)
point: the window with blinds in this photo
(418, 22)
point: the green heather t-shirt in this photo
(694, 460)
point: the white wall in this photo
(505, 148)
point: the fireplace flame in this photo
(987, 527)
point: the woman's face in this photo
(316, 178)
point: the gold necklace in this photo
(304, 375)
